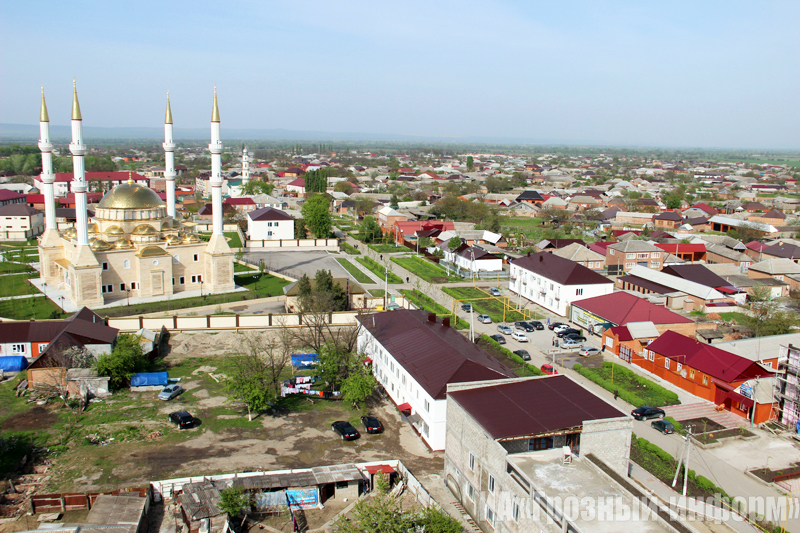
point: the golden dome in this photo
(94, 228)
(191, 239)
(130, 196)
(99, 245)
(173, 239)
(114, 230)
(144, 229)
(150, 251)
(70, 233)
(123, 244)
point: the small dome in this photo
(123, 244)
(191, 239)
(144, 229)
(174, 239)
(130, 196)
(94, 228)
(151, 251)
(114, 230)
(99, 245)
(70, 233)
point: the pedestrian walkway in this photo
(708, 410)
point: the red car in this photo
(548, 369)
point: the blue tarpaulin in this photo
(13, 363)
(144, 379)
(304, 360)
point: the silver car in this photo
(502, 328)
(484, 319)
(170, 392)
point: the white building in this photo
(554, 282)
(414, 356)
(473, 259)
(270, 224)
(18, 222)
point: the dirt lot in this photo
(138, 444)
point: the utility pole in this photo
(681, 461)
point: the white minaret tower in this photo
(169, 160)
(48, 178)
(79, 187)
(245, 167)
(216, 168)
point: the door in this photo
(157, 282)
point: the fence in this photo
(46, 503)
(289, 245)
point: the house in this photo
(387, 217)
(356, 295)
(530, 197)
(706, 209)
(554, 282)
(206, 212)
(518, 449)
(623, 256)
(680, 293)
(625, 341)
(9, 197)
(18, 222)
(634, 217)
(473, 259)
(265, 200)
(709, 372)
(737, 278)
(780, 269)
(620, 308)
(719, 253)
(754, 207)
(297, 186)
(726, 224)
(668, 220)
(773, 217)
(549, 245)
(107, 181)
(782, 250)
(294, 172)
(414, 357)
(269, 224)
(408, 229)
(692, 252)
(242, 205)
(200, 507)
(582, 255)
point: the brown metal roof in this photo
(269, 213)
(432, 353)
(533, 407)
(560, 270)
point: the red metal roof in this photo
(299, 182)
(101, 176)
(622, 307)
(374, 469)
(560, 270)
(707, 358)
(6, 194)
(622, 332)
(239, 201)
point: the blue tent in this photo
(304, 360)
(143, 379)
(13, 363)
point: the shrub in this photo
(677, 425)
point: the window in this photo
(656, 255)
(652, 355)
(126, 264)
(196, 258)
(666, 363)
(424, 428)
(404, 379)
(578, 292)
(491, 483)
(515, 511)
(197, 279)
(611, 251)
(678, 366)
(269, 234)
(121, 287)
(427, 406)
(182, 280)
(705, 380)
(490, 516)
(17, 348)
(471, 461)
(470, 492)
(643, 256)
(630, 256)
(134, 285)
(105, 265)
(107, 288)
(173, 282)
(691, 374)
(540, 443)
(629, 265)
(42, 347)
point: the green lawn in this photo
(483, 303)
(378, 270)
(430, 272)
(387, 248)
(26, 308)
(633, 388)
(523, 224)
(231, 236)
(425, 302)
(239, 267)
(17, 285)
(739, 318)
(377, 292)
(354, 271)
(21, 255)
(11, 268)
(349, 249)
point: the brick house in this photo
(668, 220)
(623, 256)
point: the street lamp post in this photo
(61, 298)
(201, 289)
(128, 295)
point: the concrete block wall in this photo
(609, 440)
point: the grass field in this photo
(12, 268)
(387, 248)
(523, 224)
(423, 268)
(347, 248)
(233, 238)
(21, 255)
(354, 271)
(425, 302)
(483, 303)
(378, 270)
(38, 307)
(17, 285)
(239, 267)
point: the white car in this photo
(589, 351)
(562, 327)
(519, 336)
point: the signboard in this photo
(746, 391)
(302, 498)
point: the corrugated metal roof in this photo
(560, 270)
(337, 473)
(678, 284)
(276, 481)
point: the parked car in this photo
(663, 426)
(519, 336)
(569, 343)
(523, 354)
(548, 369)
(484, 319)
(466, 307)
(645, 413)
(554, 325)
(182, 418)
(372, 424)
(502, 328)
(574, 336)
(536, 324)
(561, 327)
(499, 339)
(589, 351)
(345, 429)
(523, 326)
(494, 291)
(169, 392)
(566, 331)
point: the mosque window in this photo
(126, 264)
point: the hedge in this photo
(349, 249)
(677, 425)
(657, 395)
(533, 370)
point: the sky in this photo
(721, 74)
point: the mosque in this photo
(134, 246)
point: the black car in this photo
(575, 336)
(523, 354)
(553, 325)
(499, 338)
(536, 324)
(466, 307)
(523, 326)
(345, 429)
(372, 424)
(182, 418)
(645, 413)
(569, 331)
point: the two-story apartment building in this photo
(18, 222)
(414, 357)
(554, 282)
(623, 256)
(269, 224)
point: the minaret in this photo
(79, 187)
(216, 168)
(48, 178)
(169, 160)
(245, 167)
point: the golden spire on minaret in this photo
(168, 120)
(130, 178)
(76, 108)
(43, 114)
(215, 111)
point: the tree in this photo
(470, 163)
(300, 231)
(672, 200)
(233, 501)
(125, 359)
(316, 180)
(393, 201)
(333, 364)
(359, 383)
(766, 315)
(343, 186)
(255, 187)
(317, 215)
(454, 243)
(370, 231)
